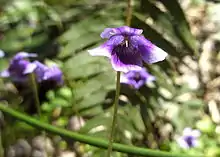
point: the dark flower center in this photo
(137, 77)
(189, 140)
(126, 52)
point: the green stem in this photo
(101, 143)
(114, 120)
(129, 13)
(35, 92)
(37, 102)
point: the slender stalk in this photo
(35, 92)
(129, 13)
(37, 102)
(1, 146)
(114, 120)
(94, 141)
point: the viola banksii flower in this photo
(137, 78)
(45, 73)
(189, 138)
(127, 49)
(17, 67)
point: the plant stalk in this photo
(114, 120)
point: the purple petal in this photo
(21, 55)
(108, 32)
(138, 84)
(124, 30)
(149, 52)
(129, 31)
(107, 47)
(40, 70)
(53, 73)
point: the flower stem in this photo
(114, 120)
(129, 13)
(35, 92)
(37, 103)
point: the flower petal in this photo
(30, 68)
(195, 143)
(21, 55)
(149, 52)
(138, 84)
(100, 51)
(195, 133)
(187, 131)
(108, 32)
(129, 31)
(182, 143)
(124, 79)
(124, 30)
(5, 73)
(2, 53)
(106, 48)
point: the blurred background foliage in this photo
(185, 93)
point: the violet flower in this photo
(127, 48)
(189, 138)
(137, 78)
(18, 66)
(45, 73)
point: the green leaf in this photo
(156, 37)
(180, 24)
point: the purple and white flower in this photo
(45, 73)
(137, 78)
(127, 49)
(18, 66)
(189, 138)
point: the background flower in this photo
(137, 78)
(45, 73)
(18, 66)
(189, 138)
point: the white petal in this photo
(100, 51)
(30, 68)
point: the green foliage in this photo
(63, 32)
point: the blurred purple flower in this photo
(45, 73)
(126, 48)
(189, 138)
(18, 66)
(137, 78)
